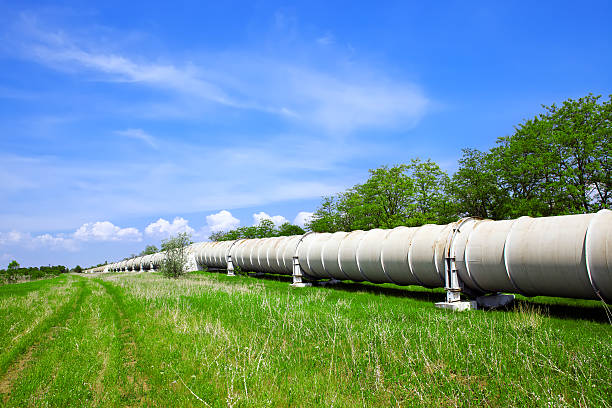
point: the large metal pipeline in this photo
(567, 256)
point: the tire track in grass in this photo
(112, 355)
(20, 356)
(98, 386)
(67, 371)
(136, 380)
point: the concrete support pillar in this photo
(230, 266)
(453, 288)
(452, 283)
(298, 274)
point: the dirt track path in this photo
(138, 384)
(60, 320)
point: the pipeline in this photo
(565, 256)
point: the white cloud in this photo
(222, 221)
(326, 39)
(164, 228)
(88, 232)
(59, 49)
(302, 218)
(106, 231)
(343, 97)
(13, 237)
(24, 239)
(138, 134)
(278, 220)
(298, 164)
(55, 242)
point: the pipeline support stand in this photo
(230, 266)
(298, 274)
(452, 283)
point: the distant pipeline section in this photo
(566, 256)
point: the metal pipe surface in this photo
(567, 256)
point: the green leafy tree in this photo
(431, 193)
(218, 236)
(385, 200)
(559, 162)
(288, 229)
(325, 218)
(475, 187)
(149, 250)
(581, 132)
(264, 229)
(405, 194)
(174, 263)
(13, 265)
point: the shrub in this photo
(174, 263)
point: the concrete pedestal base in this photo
(256, 274)
(494, 301)
(329, 282)
(301, 284)
(457, 306)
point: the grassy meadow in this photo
(211, 340)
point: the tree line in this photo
(554, 164)
(265, 229)
(14, 272)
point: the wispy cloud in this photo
(335, 99)
(326, 39)
(138, 134)
(263, 127)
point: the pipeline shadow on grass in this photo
(560, 311)
(351, 286)
(429, 295)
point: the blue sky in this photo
(121, 123)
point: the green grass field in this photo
(212, 340)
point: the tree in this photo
(77, 269)
(581, 131)
(385, 200)
(406, 194)
(264, 229)
(558, 162)
(149, 250)
(288, 229)
(432, 197)
(175, 255)
(324, 219)
(13, 270)
(217, 236)
(475, 187)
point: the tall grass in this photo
(207, 339)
